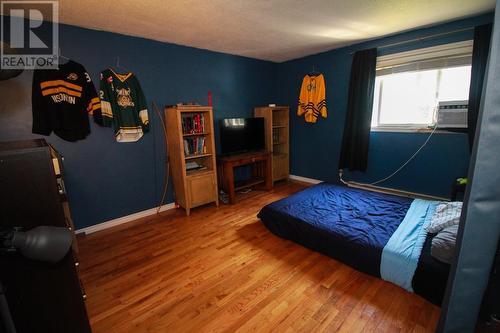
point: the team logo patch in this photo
(110, 79)
(123, 97)
(72, 76)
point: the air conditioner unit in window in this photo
(452, 114)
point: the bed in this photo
(379, 234)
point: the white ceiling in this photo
(275, 30)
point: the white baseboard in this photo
(305, 179)
(374, 188)
(392, 191)
(124, 219)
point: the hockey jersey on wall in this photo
(62, 99)
(312, 102)
(124, 106)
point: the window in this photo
(410, 85)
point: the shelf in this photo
(203, 110)
(191, 145)
(191, 157)
(248, 183)
(195, 134)
(198, 172)
(277, 138)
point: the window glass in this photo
(411, 98)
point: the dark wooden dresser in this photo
(42, 297)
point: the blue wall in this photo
(106, 179)
(315, 148)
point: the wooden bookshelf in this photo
(277, 138)
(188, 144)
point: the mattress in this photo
(352, 226)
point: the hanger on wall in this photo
(118, 67)
(314, 72)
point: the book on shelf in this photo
(193, 123)
(195, 166)
(195, 146)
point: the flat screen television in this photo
(239, 135)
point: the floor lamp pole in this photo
(5, 312)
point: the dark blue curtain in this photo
(482, 36)
(356, 138)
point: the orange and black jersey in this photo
(62, 99)
(312, 102)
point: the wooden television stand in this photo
(261, 172)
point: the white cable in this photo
(341, 172)
(409, 160)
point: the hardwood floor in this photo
(221, 270)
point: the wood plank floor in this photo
(221, 270)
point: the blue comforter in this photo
(348, 224)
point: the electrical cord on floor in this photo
(341, 171)
(167, 171)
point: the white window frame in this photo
(446, 55)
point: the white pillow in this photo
(443, 244)
(446, 214)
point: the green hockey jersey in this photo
(123, 105)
